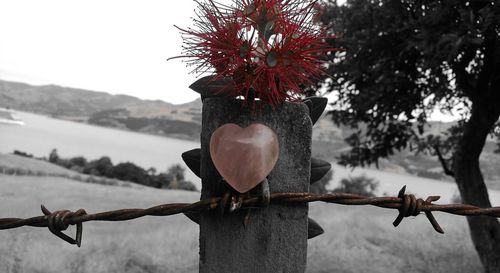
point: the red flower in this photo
(270, 48)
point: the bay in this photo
(41, 134)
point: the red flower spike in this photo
(270, 48)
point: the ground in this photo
(356, 239)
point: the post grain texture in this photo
(275, 238)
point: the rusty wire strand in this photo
(408, 205)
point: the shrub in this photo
(21, 153)
(103, 167)
(77, 163)
(186, 185)
(177, 171)
(361, 185)
(161, 180)
(91, 179)
(53, 156)
(130, 172)
(100, 167)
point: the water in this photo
(42, 134)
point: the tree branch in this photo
(464, 80)
(446, 169)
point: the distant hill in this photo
(120, 111)
(184, 121)
(59, 101)
(328, 143)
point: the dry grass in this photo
(357, 239)
(152, 244)
(18, 162)
(23, 166)
(362, 239)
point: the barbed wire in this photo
(407, 205)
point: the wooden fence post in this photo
(275, 239)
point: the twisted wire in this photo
(407, 205)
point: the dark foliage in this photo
(177, 171)
(130, 172)
(54, 157)
(126, 171)
(23, 154)
(100, 167)
(361, 185)
(401, 61)
(187, 186)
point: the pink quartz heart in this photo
(244, 156)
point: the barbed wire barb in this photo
(407, 205)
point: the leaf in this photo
(193, 216)
(313, 229)
(319, 168)
(210, 86)
(318, 107)
(309, 105)
(192, 159)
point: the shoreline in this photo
(82, 120)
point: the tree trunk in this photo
(485, 231)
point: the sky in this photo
(116, 46)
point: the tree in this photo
(53, 156)
(361, 185)
(128, 171)
(77, 163)
(402, 60)
(161, 180)
(177, 172)
(100, 167)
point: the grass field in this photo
(153, 244)
(17, 162)
(23, 166)
(357, 239)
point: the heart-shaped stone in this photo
(244, 156)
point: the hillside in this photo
(100, 108)
(184, 121)
(29, 167)
(59, 101)
(328, 143)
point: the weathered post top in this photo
(275, 238)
